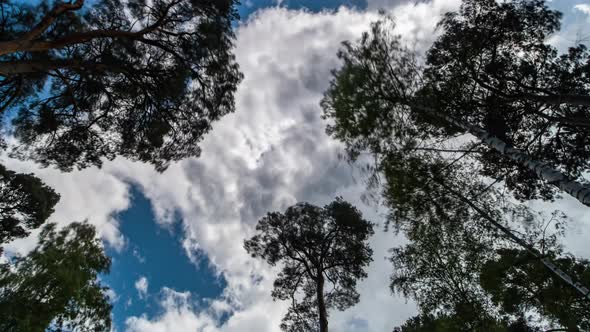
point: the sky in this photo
(176, 237)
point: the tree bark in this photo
(29, 43)
(585, 292)
(579, 191)
(322, 302)
(12, 46)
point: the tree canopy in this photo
(384, 98)
(55, 287)
(465, 272)
(441, 156)
(493, 67)
(323, 252)
(25, 204)
(93, 80)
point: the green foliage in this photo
(104, 78)
(431, 323)
(492, 67)
(449, 242)
(55, 287)
(519, 283)
(315, 246)
(25, 203)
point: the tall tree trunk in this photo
(322, 302)
(546, 261)
(579, 191)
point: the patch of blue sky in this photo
(155, 253)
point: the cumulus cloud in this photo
(273, 152)
(178, 315)
(583, 7)
(112, 295)
(89, 195)
(141, 285)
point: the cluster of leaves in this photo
(518, 283)
(55, 287)
(127, 78)
(25, 203)
(492, 67)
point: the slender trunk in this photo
(322, 302)
(579, 191)
(546, 261)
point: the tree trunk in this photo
(579, 191)
(576, 100)
(546, 261)
(10, 68)
(322, 302)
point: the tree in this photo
(25, 204)
(492, 67)
(320, 249)
(518, 283)
(441, 323)
(461, 263)
(384, 103)
(92, 81)
(55, 287)
(382, 99)
(449, 243)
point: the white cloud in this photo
(583, 7)
(270, 154)
(90, 194)
(112, 295)
(178, 315)
(141, 285)
(138, 255)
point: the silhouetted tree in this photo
(25, 204)
(323, 252)
(493, 68)
(449, 243)
(442, 323)
(455, 263)
(55, 287)
(105, 78)
(384, 102)
(519, 283)
(382, 99)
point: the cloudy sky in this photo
(176, 238)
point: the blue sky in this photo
(155, 254)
